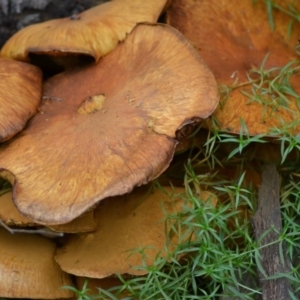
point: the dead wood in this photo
(268, 219)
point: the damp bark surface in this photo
(268, 219)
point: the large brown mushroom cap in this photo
(125, 224)
(108, 127)
(234, 37)
(20, 94)
(93, 33)
(28, 269)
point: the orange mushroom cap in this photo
(125, 225)
(9, 213)
(109, 127)
(92, 33)
(28, 269)
(20, 94)
(234, 37)
(11, 216)
(131, 233)
(84, 223)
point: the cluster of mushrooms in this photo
(106, 123)
(119, 93)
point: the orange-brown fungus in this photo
(234, 37)
(28, 269)
(20, 94)
(82, 38)
(72, 155)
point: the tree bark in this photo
(266, 218)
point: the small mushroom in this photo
(82, 37)
(108, 127)
(20, 94)
(125, 225)
(242, 39)
(28, 270)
